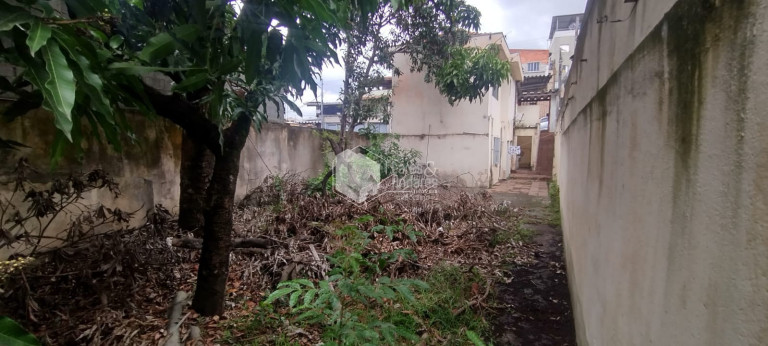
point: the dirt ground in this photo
(534, 302)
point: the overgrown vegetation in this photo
(354, 307)
(385, 149)
(408, 267)
(554, 204)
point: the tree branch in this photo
(186, 115)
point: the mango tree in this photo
(87, 61)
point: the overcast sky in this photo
(525, 23)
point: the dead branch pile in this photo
(454, 225)
(115, 290)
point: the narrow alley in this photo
(534, 300)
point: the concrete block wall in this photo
(148, 169)
(663, 169)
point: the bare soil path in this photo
(534, 302)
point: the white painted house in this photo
(468, 142)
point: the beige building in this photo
(664, 173)
(562, 45)
(532, 105)
(468, 142)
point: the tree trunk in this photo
(217, 238)
(196, 169)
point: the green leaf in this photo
(364, 219)
(309, 296)
(290, 104)
(419, 284)
(9, 20)
(405, 292)
(472, 336)
(369, 292)
(319, 9)
(61, 86)
(277, 294)
(294, 298)
(253, 52)
(38, 35)
(116, 41)
(386, 292)
(191, 83)
(83, 9)
(12, 334)
(311, 314)
(305, 282)
(187, 32)
(94, 87)
(158, 47)
(322, 298)
(99, 35)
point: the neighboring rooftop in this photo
(565, 22)
(532, 55)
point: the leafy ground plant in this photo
(360, 303)
(12, 334)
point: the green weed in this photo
(554, 204)
(359, 305)
(523, 234)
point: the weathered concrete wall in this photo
(528, 115)
(664, 174)
(148, 169)
(280, 148)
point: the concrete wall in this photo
(458, 139)
(664, 174)
(148, 169)
(280, 148)
(528, 115)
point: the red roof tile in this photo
(532, 55)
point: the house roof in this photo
(532, 55)
(535, 83)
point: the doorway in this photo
(525, 144)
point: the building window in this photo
(496, 150)
(533, 66)
(496, 93)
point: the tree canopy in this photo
(90, 62)
(433, 34)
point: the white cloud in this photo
(525, 22)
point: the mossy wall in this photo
(663, 174)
